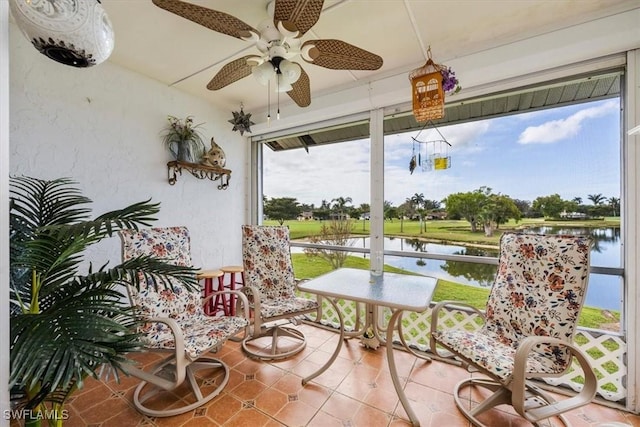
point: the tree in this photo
(431, 205)
(596, 199)
(550, 206)
(524, 206)
(390, 211)
(340, 204)
(482, 207)
(497, 209)
(614, 203)
(363, 209)
(282, 209)
(408, 208)
(467, 205)
(403, 211)
(418, 202)
(336, 232)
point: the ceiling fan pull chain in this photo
(278, 97)
(269, 103)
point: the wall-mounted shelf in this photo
(199, 171)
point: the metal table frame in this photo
(398, 292)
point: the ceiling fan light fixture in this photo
(283, 86)
(263, 72)
(290, 71)
(287, 73)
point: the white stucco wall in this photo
(4, 207)
(101, 126)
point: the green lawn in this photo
(444, 231)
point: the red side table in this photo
(236, 280)
(214, 305)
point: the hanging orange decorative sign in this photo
(429, 84)
(427, 93)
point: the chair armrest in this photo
(176, 330)
(256, 298)
(435, 313)
(181, 359)
(520, 376)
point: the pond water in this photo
(604, 291)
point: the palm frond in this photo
(131, 217)
(68, 341)
(157, 271)
(41, 203)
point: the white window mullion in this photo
(377, 187)
(631, 226)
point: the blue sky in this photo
(572, 151)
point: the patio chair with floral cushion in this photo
(176, 325)
(527, 335)
(270, 285)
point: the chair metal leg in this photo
(501, 396)
(274, 352)
(147, 390)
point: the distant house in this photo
(437, 215)
(366, 216)
(339, 216)
(573, 215)
(306, 216)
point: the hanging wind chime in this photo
(430, 155)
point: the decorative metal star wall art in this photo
(241, 121)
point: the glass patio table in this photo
(398, 292)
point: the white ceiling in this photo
(185, 55)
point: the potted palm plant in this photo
(65, 323)
(183, 139)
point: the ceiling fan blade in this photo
(232, 72)
(212, 19)
(339, 55)
(297, 15)
(301, 92)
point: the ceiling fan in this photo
(279, 41)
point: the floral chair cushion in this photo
(539, 289)
(201, 333)
(267, 267)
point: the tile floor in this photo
(356, 391)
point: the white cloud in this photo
(342, 169)
(557, 130)
(326, 172)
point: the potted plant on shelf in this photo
(64, 323)
(183, 139)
